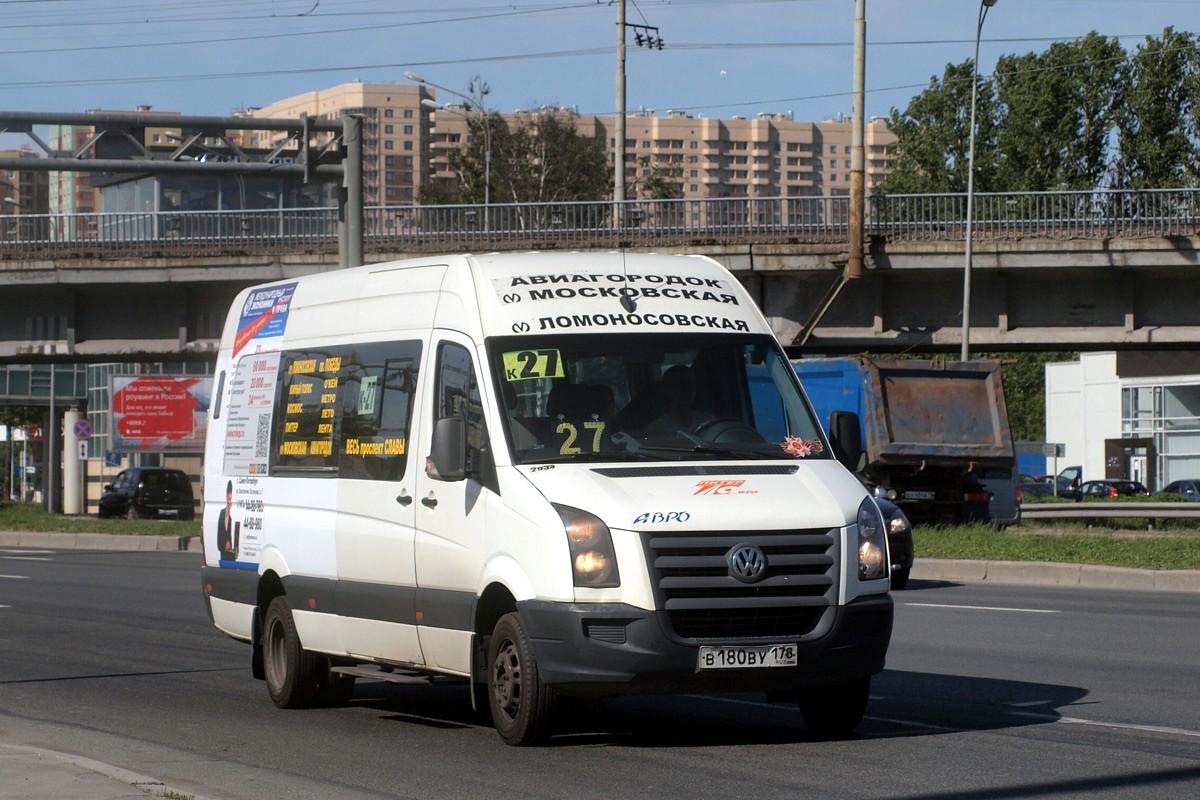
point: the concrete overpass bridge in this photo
(1059, 270)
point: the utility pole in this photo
(858, 177)
(619, 122)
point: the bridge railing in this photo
(798, 220)
(1047, 215)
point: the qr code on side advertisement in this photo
(262, 436)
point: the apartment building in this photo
(770, 155)
(22, 191)
(396, 133)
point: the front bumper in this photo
(601, 649)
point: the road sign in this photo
(1050, 450)
(83, 430)
(112, 459)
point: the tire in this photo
(291, 671)
(900, 578)
(835, 710)
(522, 706)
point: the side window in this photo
(458, 395)
(378, 382)
(346, 411)
(305, 425)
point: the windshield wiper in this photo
(714, 450)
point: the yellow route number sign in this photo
(523, 365)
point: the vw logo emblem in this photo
(747, 563)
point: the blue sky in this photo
(720, 57)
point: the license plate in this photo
(168, 512)
(776, 655)
(919, 495)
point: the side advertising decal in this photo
(247, 451)
(264, 318)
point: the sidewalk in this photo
(34, 774)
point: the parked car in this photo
(1068, 480)
(1036, 489)
(1187, 489)
(1093, 490)
(153, 492)
(900, 541)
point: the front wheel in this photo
(521, 704)
(900, 578)
(835, 710)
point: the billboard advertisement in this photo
(159, 413)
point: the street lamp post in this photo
(487, 135)
(965, 352)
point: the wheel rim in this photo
(506, 679)
(276, 656)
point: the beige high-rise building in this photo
(396, 131)
(770, 155)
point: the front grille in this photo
(703, 600)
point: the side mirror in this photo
(845, 435)
(448, 455)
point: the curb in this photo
(1090, 576)
(98, 541)
(40, 769)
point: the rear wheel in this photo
(835, 710)
(521, 704)
(292, 672)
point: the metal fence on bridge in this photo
(634, 223)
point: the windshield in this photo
(619, 397)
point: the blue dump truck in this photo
(935, 433)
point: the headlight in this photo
(593, 559)
(872, 542)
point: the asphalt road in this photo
(990, 692)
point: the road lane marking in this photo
(986, 608)
(24, 551)
(22, 558)
(1121, 726)
(14, 577)
(911, 723)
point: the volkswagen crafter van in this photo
(545, 474)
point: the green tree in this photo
(1024, 376)
(933, 136)
(1158, 115)
(1060, 111)
(542, 159)
(546, 159)
(657, 180)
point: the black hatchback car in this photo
(152, 492)
(1104, 489)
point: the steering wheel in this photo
(726, 430)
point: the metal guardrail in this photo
(1102, 510)
(592, 224)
